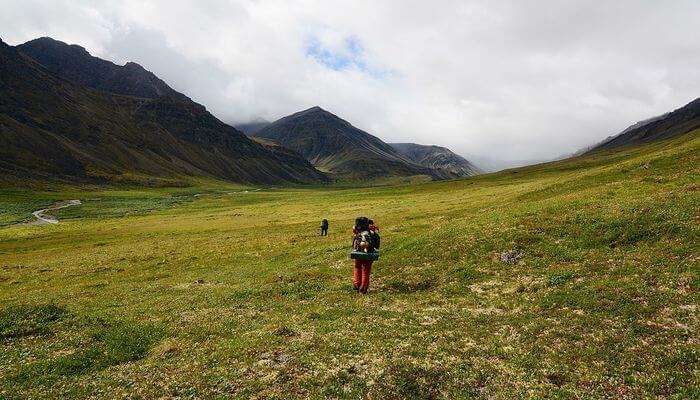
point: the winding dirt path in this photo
(41, 216)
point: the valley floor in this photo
(216, 292)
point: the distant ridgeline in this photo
(672, 124)
(437, 157)
(67, 115)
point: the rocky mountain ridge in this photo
(437, 157)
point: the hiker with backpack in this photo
(365, 250)
(324, 227)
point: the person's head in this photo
(361, 223)
(371, 222)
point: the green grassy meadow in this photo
(217, 292)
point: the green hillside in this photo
(573, 279)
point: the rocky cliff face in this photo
(334, 145)
(54, 126)
(437, 157)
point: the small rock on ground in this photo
(511, 256)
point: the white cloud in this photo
(499, 79)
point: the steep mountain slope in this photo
(334, 145)
(53, 128)
(675, 123)
(74, 63)
(436, 157)
(282, 153)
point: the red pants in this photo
(363, 268)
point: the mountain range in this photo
(77, 117)
(67, 115)
(336, 147)
(430, 156)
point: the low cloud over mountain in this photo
(505, 80)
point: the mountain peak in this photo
(46, 42)
(318, 112)
(134, 66)
(314, 110)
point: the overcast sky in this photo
(515, 80)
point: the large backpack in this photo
(362, 228)
(362, 232)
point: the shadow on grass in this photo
(108, 343)
(29, 320)
(406, 286)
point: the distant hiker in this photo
(324, 227)
(365, 250)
